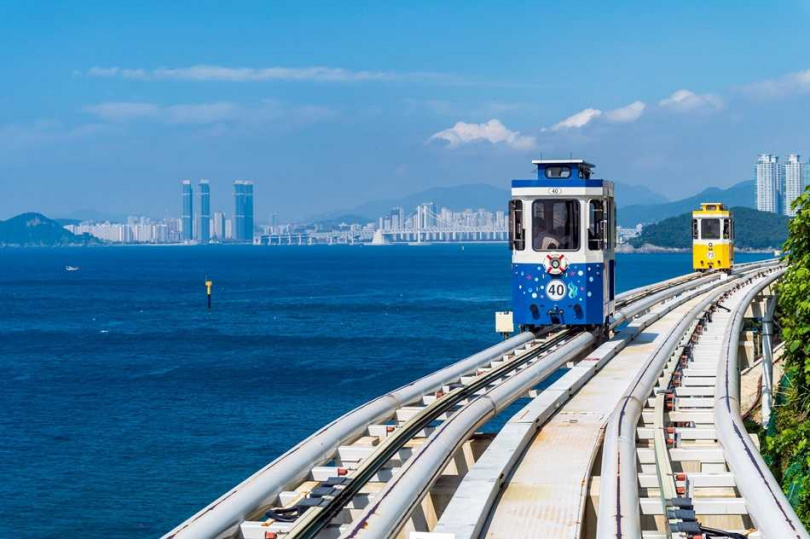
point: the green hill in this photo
(29, 229)
(742, 194)
(753, 230)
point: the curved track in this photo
(381, 458)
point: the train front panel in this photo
(576, 295)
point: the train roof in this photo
(712, 208)
(562, 162)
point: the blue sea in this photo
(127, 405)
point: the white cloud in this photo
(686, 101)
(267, 110)
(19, 136)
(792, 83)
(253, 74)
(122, 111)
(626, 114)
(492, 131)
(580, 119)
(629, 113)
(205, 113)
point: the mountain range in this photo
(742, 194)
(472, 196)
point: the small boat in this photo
(72, 268)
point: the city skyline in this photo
(778, 185)
(352, 123)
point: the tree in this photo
(788, 440)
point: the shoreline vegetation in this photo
(754, 231)
(787, 441)
(652, 248)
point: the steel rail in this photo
(766, 503)
(619, 498)
(469, 515)
(222, 517)
(395, 503)
(316, 518)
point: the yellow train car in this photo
(712, 237)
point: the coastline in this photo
(649, 248)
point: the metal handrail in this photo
(619, 497)
(222, 517)
(392, 506)
(766, 503)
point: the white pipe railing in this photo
(618, 497)
(766, 503)
(223, 516)
(391, 507)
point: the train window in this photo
(555, 225)
(694, 229)
(558, 172)
(710, 229)
(726, 229)
(596, 225)
(611, 205)
(517, 236)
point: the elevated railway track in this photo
(412, 461)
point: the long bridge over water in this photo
(640, 436)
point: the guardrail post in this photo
(767, 361)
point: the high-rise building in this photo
(248, 232)
(769, 183)
(219, 225)
(795, 179)
(243, 210)
(238, 209)
(187, 221)
(204, 217)
(397, 216)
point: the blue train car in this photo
(562, 235)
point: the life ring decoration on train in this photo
(556, 264)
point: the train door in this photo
(600, 239)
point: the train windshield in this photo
(710, 229)
(555, 225)
(558, 172)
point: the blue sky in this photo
(108, 105)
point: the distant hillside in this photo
(742, 194)
(90, 214)
(30, 229)
(334, 222)
(474, 196)
(753, 230)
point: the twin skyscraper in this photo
(201, 228)
(778, 185)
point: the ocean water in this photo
(127, 406)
